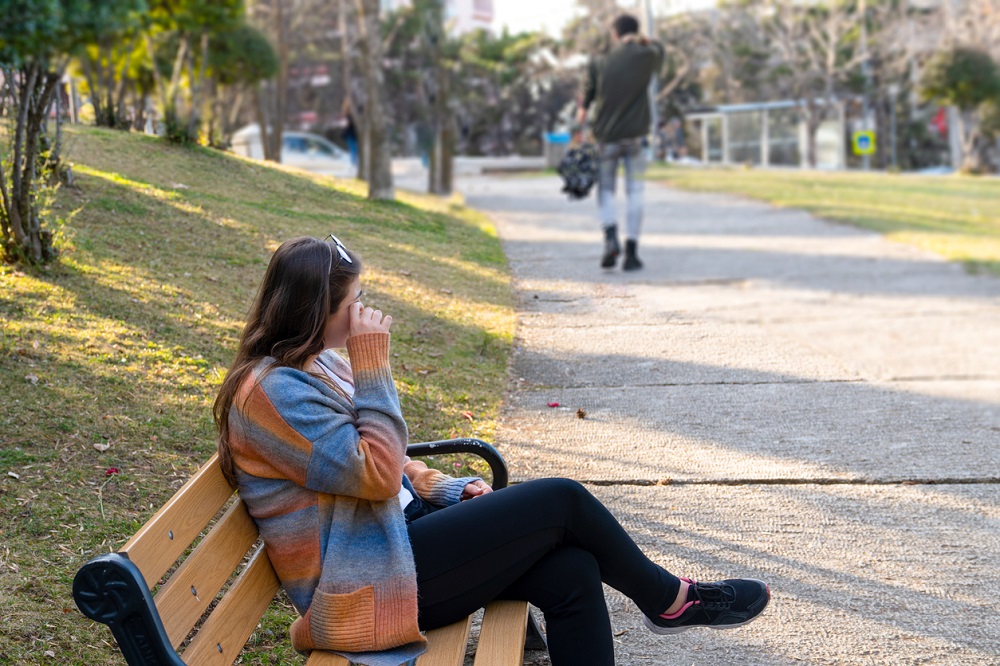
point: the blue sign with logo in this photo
(863, 142)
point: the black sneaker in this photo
(611, 249)
(723, 605)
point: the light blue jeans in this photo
(632, 153)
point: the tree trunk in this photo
(197, 86)
(441, 158)
(263, 123)
(281, 91)
(812, 156)
(972, 155)
(32, 96)
(379, 154)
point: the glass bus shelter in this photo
(767, 134)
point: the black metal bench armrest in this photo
(465, 445)
(110, 589)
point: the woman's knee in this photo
(563, 488)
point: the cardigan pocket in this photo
(344, 621)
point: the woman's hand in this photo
(366, 320)
(476, 489)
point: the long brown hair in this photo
(305, 282)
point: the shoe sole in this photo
(669, 631)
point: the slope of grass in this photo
(110, 358)
(954, 216)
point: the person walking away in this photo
(617, 86)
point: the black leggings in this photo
(549, 542)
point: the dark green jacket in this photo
(618, 85)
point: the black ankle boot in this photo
(611, 247)
(632, 262)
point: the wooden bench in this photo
(213, 583)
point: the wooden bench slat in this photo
(320, 658)
(190, 589)
(158, 544)
(447, 645)
(501, 639)
(236, 616)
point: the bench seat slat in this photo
(447, 645)
(501, 639)
(320, 658)
(236, 616)
(190, 589)
(165, 536)
(447, 648)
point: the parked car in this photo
(298, 149)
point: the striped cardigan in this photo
(320, 476)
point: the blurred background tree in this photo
(969, 79)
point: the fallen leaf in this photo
(467, 415)
(404, 272)
(581, 413)
(102, 446)
(446, 291)
(553, 404)
(111, 471)
(33, 379)
(14, 475)
(49, 653)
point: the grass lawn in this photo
(110, 357)
(957, 217)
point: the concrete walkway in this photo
(773, 396)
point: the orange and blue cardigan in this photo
(321, 475)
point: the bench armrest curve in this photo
(465, 445)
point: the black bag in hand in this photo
(579, 169)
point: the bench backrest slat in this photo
(221, 639)
(184, 597)
(158, 544)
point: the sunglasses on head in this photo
(341, 248)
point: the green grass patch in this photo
(957, 217)
(112, 355)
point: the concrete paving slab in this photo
(764, 430)
(656, 354)
(858, 575)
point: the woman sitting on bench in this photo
(372, 547)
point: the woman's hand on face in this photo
(366, 320)
(476, 489)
